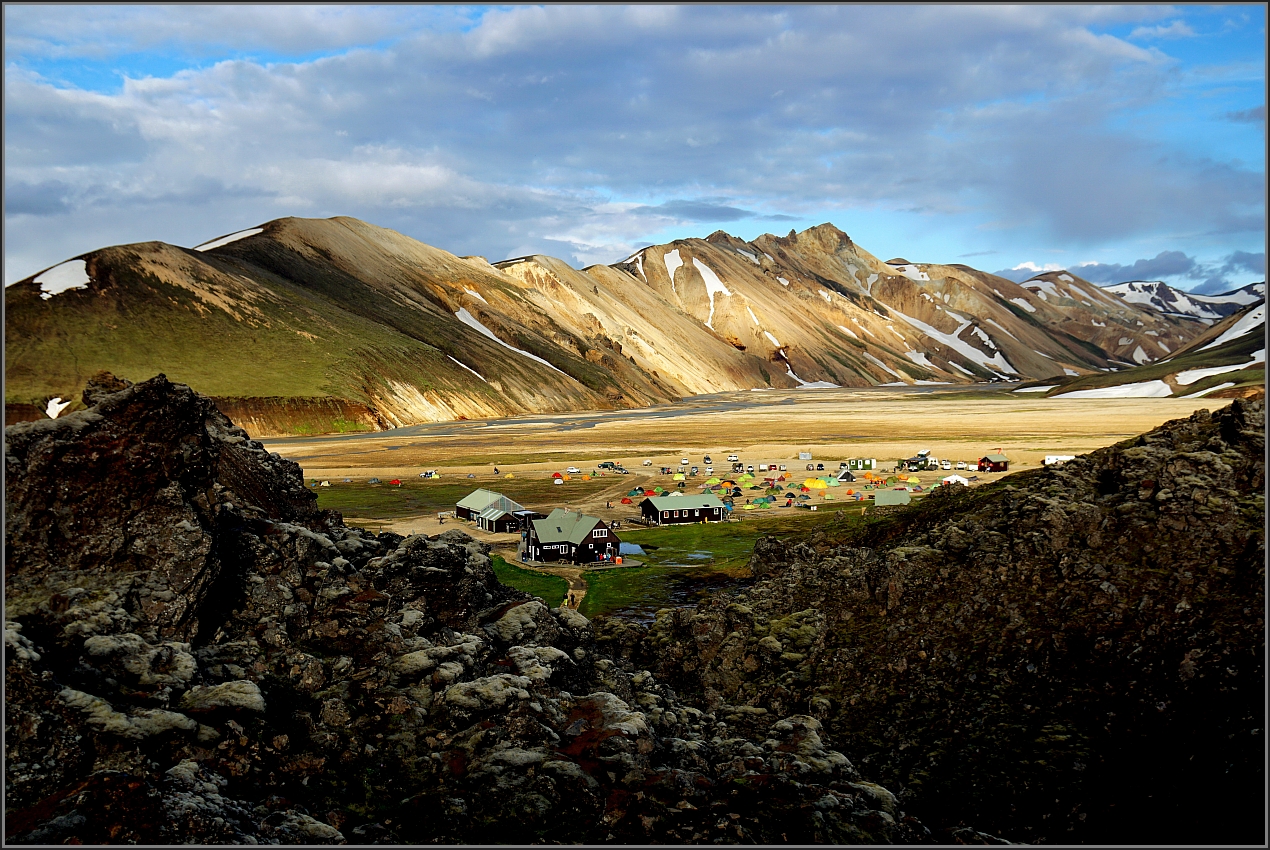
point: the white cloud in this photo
(585, 130)
(1177, 29)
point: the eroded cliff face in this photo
(1069, 654)
(196, 654)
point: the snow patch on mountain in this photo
(1190, 376)
(673, 262)
(225, 240)
(883, 365)
(1249, 323)
(472, 322)
(713, 286)
(996, 361)
(1143, 389)
(72, 274)
(1024, 303)
(470, 369)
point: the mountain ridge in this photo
(324, 325)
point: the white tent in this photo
(955, 479)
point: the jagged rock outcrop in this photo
(1066, 655)
(196, 654)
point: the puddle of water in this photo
(630, 549)
(685, 592)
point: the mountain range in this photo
(1163, 298)
(323, 325)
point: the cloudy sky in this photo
(1120, 142)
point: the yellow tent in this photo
(815, 484)
(913, 479)
(509, 475)
(678, 476)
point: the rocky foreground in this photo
(195, 653)
(1074, 654)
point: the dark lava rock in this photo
(1070, 654)
(196, 654)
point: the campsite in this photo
(851, 434)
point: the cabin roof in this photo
(562, 526)
(481, 500)
(678, 503)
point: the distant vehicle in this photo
(573, 470)
(648, 463)
(820, 467)
(961, 464)
(842, 465)
(811, 467)
(706, 459)
(557, 481)
(923, 453)
(945, 464)
(684, 462)
(749, 468)
(782, 467)
(762, 467)
(738, 467)
(608, 464)
(709, 470)
(694, 471)
(733, 458)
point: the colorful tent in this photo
(678, 476)
(626, 500)
(815, 484)
(712, 481)
(509, 475)
(396, 481)
(556, 475)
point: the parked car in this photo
(842, 465)
(762, 467)
(607, 464)
(573, 470)
(783, 469)
(684, 462)
(945, 464)
(706, 459)
(709, 470)
(733, 458)
(648, 463)
(749, 468)
(961, 464)
(820, 467)
(811, 467)
(694, 471)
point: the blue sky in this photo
(1121, 142)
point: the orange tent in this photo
(626, 500)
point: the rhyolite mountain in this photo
(308, 325)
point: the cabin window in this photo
(695, 513)
(599, 532)
(665, 514)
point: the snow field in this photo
(1144, 389)
(1190, 376)
(673, 262)
(713, 285)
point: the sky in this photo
(1120, 142)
